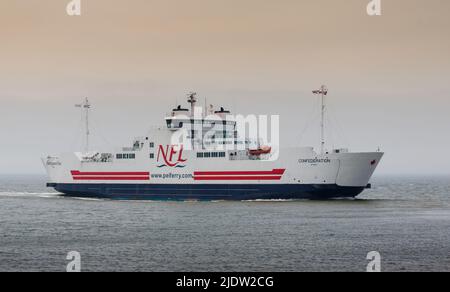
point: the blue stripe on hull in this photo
(207, 191)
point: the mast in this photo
(192, 99)
(323, 91)
(86, 106)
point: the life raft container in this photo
(261, 151)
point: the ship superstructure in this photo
(214, 162)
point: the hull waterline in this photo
(207, 191)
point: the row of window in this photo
(203, 122)
(223, 142)
(214, 134)
(126, 156)
(211, 154)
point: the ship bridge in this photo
(208, 128)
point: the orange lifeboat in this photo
(261, 151)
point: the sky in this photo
(388, 76)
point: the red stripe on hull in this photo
(209, 178)
(239, 173)
(110, 178)
(76, 172)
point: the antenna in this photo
(323, 91)
(192, 99)
(86, 106)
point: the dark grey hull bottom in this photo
(207, 192)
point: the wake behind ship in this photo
(219, 164)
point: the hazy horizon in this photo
(388, 75)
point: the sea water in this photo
(405, 219)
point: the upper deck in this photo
(210, 134)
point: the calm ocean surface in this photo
(406, 219)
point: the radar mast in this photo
(192, 99)
(86, 106)
(322, 92)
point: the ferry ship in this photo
(221, 166)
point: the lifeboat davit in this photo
(261, 151)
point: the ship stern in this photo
(52, 167)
